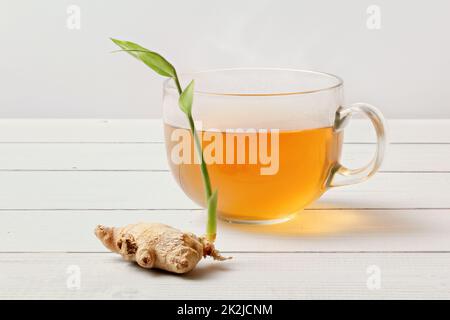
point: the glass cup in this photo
(271, 138)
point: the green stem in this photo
(211, 226)
(177, 83)
(203, 168)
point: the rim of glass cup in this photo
(170, 85)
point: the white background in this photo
(48, 70)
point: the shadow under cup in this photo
(271, 139)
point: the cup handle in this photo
(352, 176)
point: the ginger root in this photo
(156, 245)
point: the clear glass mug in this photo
(272, 140)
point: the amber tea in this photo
(271, 139)
(296, 175)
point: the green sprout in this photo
(163, 67)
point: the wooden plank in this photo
(158, 190)
(247, 276)
(401, 157)
(310, 231)
(401, 131)
(131, 156)
(347, 238)
(80, 130)
(68, 156)
(150, 130)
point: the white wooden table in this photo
(60, 178)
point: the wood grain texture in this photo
(310, 231)
(157, 190)
(152, 156)
(60, 178)
(150, 130)
(247, 276)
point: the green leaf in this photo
(186, 98)
(152, 59)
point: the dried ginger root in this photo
(156, 245)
